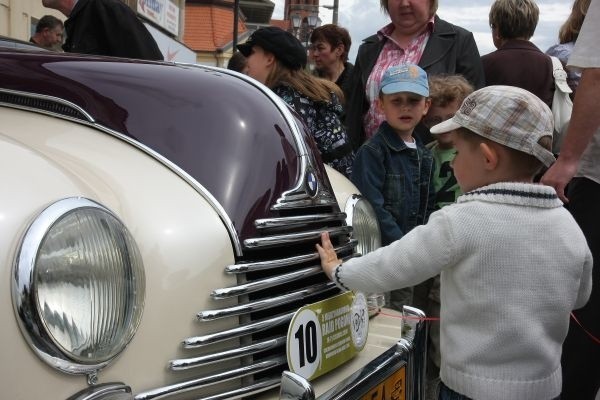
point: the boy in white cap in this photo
(393, 169)
(513, 262)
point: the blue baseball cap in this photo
(405, 78)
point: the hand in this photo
(329, 259)
(559, 175)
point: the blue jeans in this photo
(448, 394)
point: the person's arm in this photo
(585, 121)
(368, 174)
(329, 258)
(421, 254)
(585, 288)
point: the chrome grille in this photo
(278, 273)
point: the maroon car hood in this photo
(223, 131)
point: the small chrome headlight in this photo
(365, 229)
(361, 216)
(78, 285)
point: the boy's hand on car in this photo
(329, 259)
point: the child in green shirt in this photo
(447, 93)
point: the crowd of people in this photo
(449, 153)
(448, 146)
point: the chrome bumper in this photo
(409, 351)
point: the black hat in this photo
(284, 46)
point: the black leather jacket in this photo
(108, 28)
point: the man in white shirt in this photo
(580, 158)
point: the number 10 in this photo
(310, 345)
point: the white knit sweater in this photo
(513, 265)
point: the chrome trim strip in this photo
(204, 381)
(74, 106)
(193, 362)
(104, 391)
(24, 294)
(291, 238)
(266, 283)
(298, 220)
(248, 329)
(295, 387)
(283, 262)
(273, 281)
(265, 303)
(201, 190)
(285, 205)
(256, 388)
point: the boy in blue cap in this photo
(393, 169)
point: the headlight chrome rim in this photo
(357, 200)
(25, 292)
(375, 301)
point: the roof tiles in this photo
(209, 27)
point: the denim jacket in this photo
(397, 181)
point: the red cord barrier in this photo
(594, 338)
(414, 318)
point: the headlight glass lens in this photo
(78, 285)
(89, 284)
(362, 218)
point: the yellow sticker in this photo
(324, 335)
(392, 388)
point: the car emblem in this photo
(312, 184)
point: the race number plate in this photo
(326, 334)
(392, 388)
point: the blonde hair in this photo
(433, 6)
(514, 18)
(520, 162)
(444, 89)
(314, 88)
(569, 31)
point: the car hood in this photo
(218, 127)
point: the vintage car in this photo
(158, 224)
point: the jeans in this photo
(448, 394)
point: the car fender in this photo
(182, 242)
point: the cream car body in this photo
(87, 142)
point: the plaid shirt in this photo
(391, 54)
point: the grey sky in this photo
(364, 17)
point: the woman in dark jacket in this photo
(518, 62)
(415, 35)
(329, 48)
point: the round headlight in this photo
(361, 216)
(365, 229)
(79, 285)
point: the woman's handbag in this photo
(562, 106)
